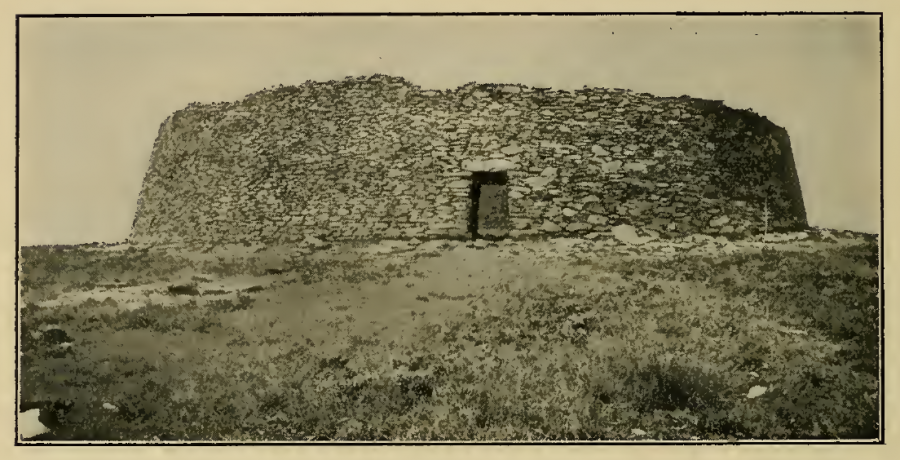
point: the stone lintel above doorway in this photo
(488, 165)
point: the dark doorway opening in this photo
(489, 206)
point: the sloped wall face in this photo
(379, 158)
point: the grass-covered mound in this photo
(698, 338)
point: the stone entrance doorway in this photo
(489, 205)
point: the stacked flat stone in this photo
(377, 157)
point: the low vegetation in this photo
(559, 339)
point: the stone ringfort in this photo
(376, 157)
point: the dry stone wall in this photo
(377, 157)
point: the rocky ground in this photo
(624, 336)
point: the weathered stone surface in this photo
(320, 159)
(597, 219)
(548, 226)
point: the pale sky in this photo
(95, 91)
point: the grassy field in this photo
(693, 339)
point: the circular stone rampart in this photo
(377, 157)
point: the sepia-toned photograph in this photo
(449, 228)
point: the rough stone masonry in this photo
(377, 157)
